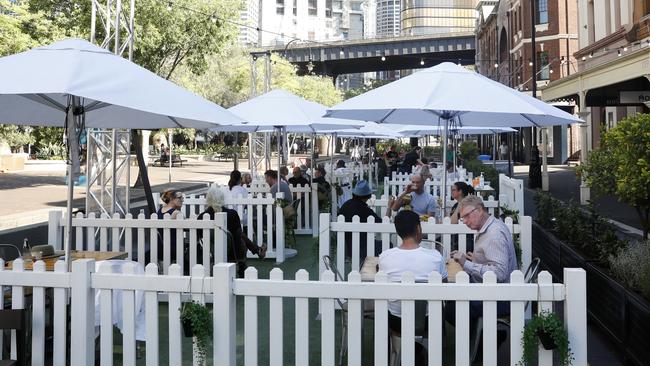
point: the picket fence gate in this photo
(511, 193)
(385, 232)
(78, 288)
(135, 235)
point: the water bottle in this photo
(481, 181)
(27, 250)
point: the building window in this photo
(542, 66)
(542, 11)
(279, 7)
(312, 7)
(328, 8)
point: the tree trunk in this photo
(143, 177)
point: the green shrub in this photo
(468, 150)
(582, 229)
(631, 266)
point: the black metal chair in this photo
(15, 320)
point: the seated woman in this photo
(236, 186)
(459, 190)
(173, 203)
(238, 243)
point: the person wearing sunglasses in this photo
(173, 203)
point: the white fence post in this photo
(54, 229)
(279, 232)
(83, 310)
(323, 241)
(314, 210)
(224, 315)
(575, 303)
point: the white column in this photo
(626, 12)
(545, 159)
(585, 147)
(583, 23)
(601, 19)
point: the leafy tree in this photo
(358, 91)
(16, 136)
(621, 166)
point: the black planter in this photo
(546, 339)
(622, 314)
(187, 328)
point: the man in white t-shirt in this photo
(409, 257)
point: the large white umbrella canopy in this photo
(421, 130)
(370, 130)
(448, 91)
(449, 94)
(280, 108)
(75, 84)
(114, 92)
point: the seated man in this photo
(423, 203)
(278, 185)
(493, 247)
(409, 257)
(357, 206)
(297, 179)
(323, 186)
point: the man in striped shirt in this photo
(493, 247)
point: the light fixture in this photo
(341, 52)
(625, 49)
(584, 58)
(550, 71)
(496, 65)
(383, 58)
(530, 63)
(422, 61)
(169, 6)
(591, 54)
(618, 52)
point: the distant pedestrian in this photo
(503, 151)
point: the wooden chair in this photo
(15, 320)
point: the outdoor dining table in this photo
(76, 254)
(371, 266)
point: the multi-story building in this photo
(437, 16)
(249, 18)
(610, 76)
(388, 18)
(504, 53)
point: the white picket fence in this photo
(307, 209)
(385, 232)
(260, 213)
(135, 235)
(77, 289)
(511, 193)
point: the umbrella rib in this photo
(386, 116)
(175, 121)
(96, 105)
(530, 120)
(45, 100)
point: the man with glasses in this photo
(493, 247)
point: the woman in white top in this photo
(238, 190)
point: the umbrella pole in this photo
(236, 157)
(444, 174)
(169, 158)
(494, 150)
(334, 196)
(73, 143)
(311, 161)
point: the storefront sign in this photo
(634, 97)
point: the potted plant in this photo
(197, 323)
(545, 328)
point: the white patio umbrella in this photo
(419, 131)
(282, 111)
(76, 85)
(450, 95)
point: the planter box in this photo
(621, 313)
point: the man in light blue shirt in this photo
(422, 203)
